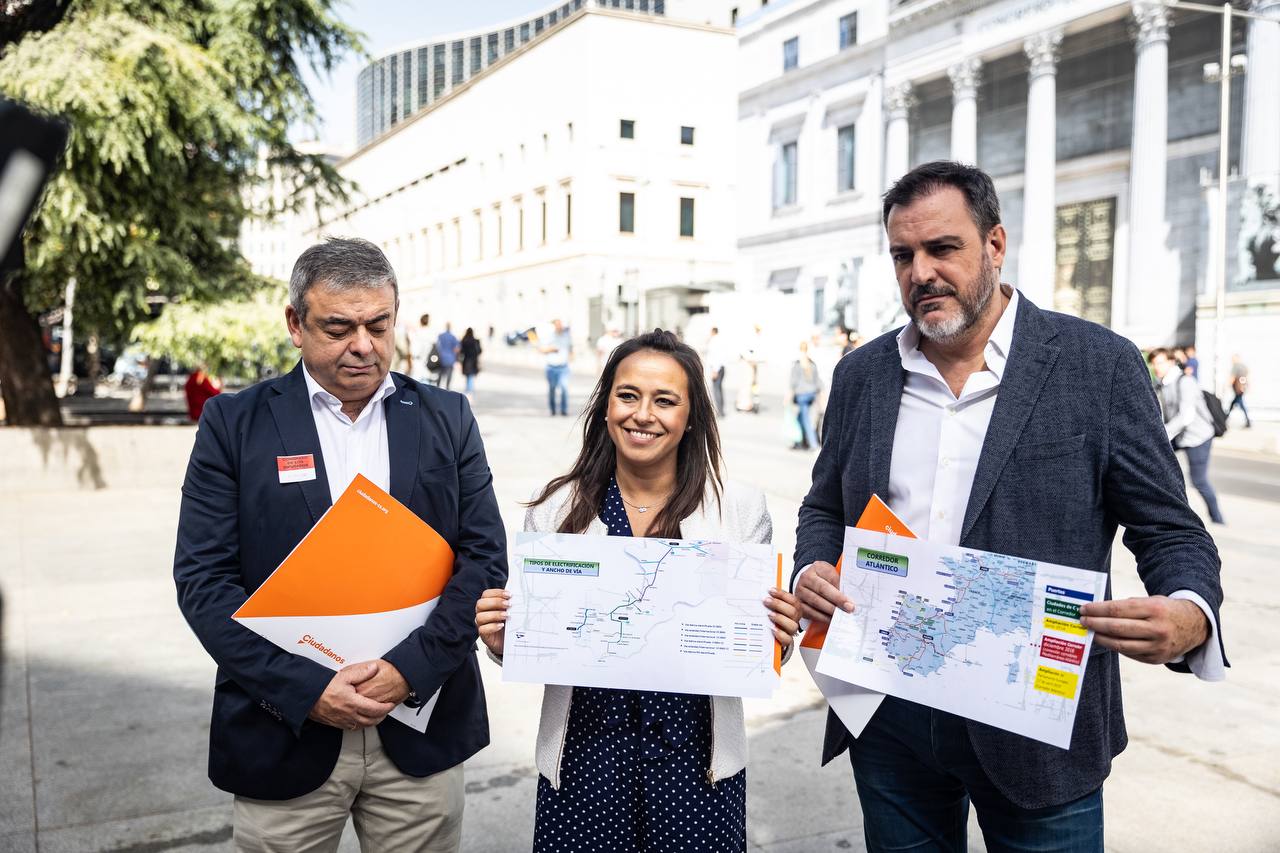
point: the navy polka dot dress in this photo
(633, 777)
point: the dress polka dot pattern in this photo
(633, 777)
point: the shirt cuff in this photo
(1205, 661)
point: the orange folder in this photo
(876, 515)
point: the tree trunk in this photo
(24, 375)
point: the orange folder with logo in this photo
(368, 574)
(854, 705)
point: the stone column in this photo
(1151, 295)
(964, 110)
(1036, 262)
(899, 100)
(1261, 154)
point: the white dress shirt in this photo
(351, 447)
(936, 445)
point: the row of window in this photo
(627, 130)
(848, 38)
(430, 247)
(627, 214)
(786, 168)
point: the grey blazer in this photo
(1075, 447)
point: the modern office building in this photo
(405, 81)
(587, 175)
(1098, 119)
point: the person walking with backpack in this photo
(1187, 421)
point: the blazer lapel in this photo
(291, 410)
(404, 429)
(884, 396)
(1031, 360)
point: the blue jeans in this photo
(558, 380)
(471, 382)
(917, 772)
(1198, 457)
(804, 402)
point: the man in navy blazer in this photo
(301, 747)
(990, 423)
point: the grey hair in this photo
(339, 263)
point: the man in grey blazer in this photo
(990, 423)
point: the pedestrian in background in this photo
(199, 389)
(806, 384)
(558, 351)
(1187, 422)
(469, 350)
(1239, 385)
(447, 348)
(424, 360)
(638, 770)
(717, 362)
(606, 344)
(1192, 364)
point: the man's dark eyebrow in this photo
(945, 238)
(343, 321)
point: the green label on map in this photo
(543, 566)
(882, 561)
(1055, 607)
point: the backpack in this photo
(433, 360)
(1213, 408)
(1217, 414)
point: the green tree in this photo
(171, 103)
(232, 339)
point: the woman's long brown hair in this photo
(697, 457)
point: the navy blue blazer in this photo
(1075, 447)
(237, 524)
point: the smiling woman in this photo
(649, 466)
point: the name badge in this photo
(296, 469)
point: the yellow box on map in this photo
(1056, 681)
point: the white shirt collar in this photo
(318, 393)
(996, 350)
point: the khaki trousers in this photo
(391, 811)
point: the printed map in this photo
(990, 637)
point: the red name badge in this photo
(296, 469)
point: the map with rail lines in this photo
(990, 637)
(649, 614)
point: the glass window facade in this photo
(437, 70)
(627, 129)
(791, 53)
(477, 57)
(686, 217)
(492, 43)
(406, 88)
(784, 176)
(508, 41)
(627, 212)
(424, 78)
(459, 66)
(686, 136)
(848, 30)
(845, 158)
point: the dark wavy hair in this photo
(698, 459)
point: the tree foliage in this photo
(171, 103)
(237, 338)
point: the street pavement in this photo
(106, 694)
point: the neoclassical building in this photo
(1098, 119)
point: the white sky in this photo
(387, 24)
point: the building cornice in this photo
(853, 63)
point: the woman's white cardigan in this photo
(741, 517)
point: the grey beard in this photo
(954, 326)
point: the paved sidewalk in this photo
(106, 694)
